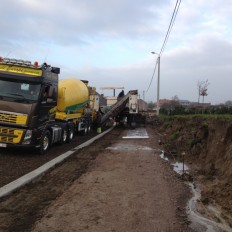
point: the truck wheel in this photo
(45, 142)
(70, 134)
(84, 131)
(89, 129)
(64, 135)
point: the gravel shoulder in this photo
(101, 189)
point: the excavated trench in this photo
(202, 218)
(207, 145)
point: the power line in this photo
(152, 76)
(170, 25)
(178, 2)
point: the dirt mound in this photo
(207, 143)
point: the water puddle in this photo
(211, 221)
(178, 166)
(203, 218)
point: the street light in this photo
(158, 84)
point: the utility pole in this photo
(158, 87)
(158, 84)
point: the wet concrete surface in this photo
(139, 133)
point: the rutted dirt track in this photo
(99, 189)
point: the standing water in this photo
(211, 221)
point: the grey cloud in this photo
(197, 48)
(71, 21)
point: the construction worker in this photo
(120, 95)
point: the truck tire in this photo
(71, 132)
(64, 135)
(45, 142)
(89, 129)
(84, 131)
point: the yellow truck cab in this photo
(29, 116)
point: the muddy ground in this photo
(16, 162)
(207, 144)
(99, 189)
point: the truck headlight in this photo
(27, 137)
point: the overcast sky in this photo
(109, 43)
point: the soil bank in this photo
(207, 143)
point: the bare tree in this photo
(199, 85)
(202, 89)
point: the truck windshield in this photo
(19, 90)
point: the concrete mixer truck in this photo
(37, 110)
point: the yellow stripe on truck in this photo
(20, 70)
